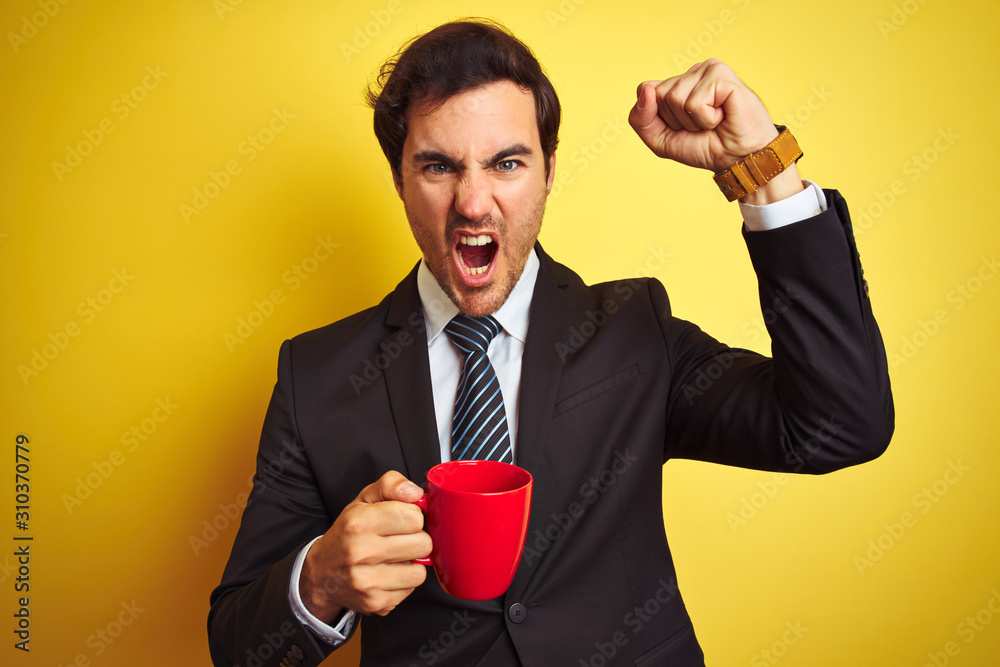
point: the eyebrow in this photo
(509, 151)
(428, 156)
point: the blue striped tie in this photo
(479, 428)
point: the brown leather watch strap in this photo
(756, 169)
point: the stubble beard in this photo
(485, 300)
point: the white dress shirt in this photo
(505, 354)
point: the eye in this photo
(437, 168)
(507, 165)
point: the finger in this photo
(379, 589)
(393, 517)
(672, 97)
(402, 577)
(706, 102)
(644, 110)
(652, 82)
(404, 548)
(733, 110)
(389, 517)
(683, 96)
(644, 118)
(667, 114)
(391, 486)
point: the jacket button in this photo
(517, 613)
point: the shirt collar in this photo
(512, 315)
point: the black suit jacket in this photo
(612, 386)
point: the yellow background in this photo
(868, 88)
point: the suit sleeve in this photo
(823, 402)
(250, 615)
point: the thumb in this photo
(391, 486)
(644, 116)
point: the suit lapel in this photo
(408, 376)
(409, 386)
(408, 382)
(541, 370)
(541, 366)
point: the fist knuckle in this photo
(420, 576)
(416, 521)
(361, 580)
(388, 480)
(674, 98)
(353, 526)
(355, 555)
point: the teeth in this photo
(482, 239)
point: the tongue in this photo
(476, 256)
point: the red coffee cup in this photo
(477, 515)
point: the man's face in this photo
(474, 187)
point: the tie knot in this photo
(471, 334)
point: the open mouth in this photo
(475, 254)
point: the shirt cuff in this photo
(334, 635)
(806, 204)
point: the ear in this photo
(552, 174)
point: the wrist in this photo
(782, 186)
(316, 592)
(757, 170)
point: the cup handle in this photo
(422, 504)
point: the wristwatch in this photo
(756, 169)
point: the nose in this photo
(474, 195)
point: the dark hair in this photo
(451, 59)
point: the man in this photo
(601, 385)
